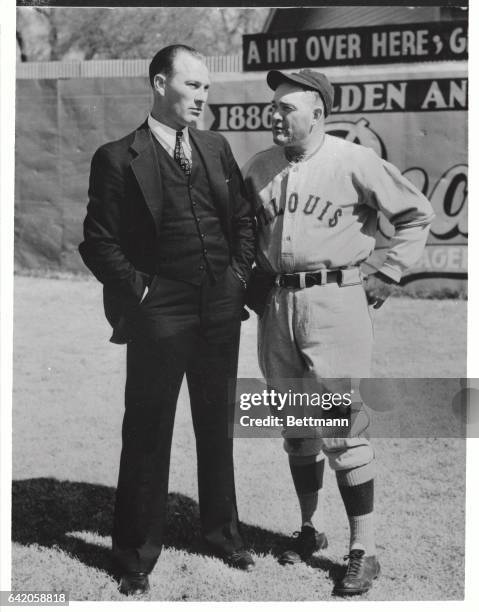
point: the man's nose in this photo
(276, 115)
(201, 96)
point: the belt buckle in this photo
(349, 277)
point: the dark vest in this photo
(191, 241)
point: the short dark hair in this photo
(163, 60)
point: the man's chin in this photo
(192, 119)
(280, 139)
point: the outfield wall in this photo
(415, 116)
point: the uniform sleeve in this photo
(404, 206)
(257, 173)
(243, 225)
(248, 181)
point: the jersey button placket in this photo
(298, 218)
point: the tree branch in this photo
(21, 46)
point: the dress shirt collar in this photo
(166, 136)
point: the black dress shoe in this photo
(134, 583)
(240, 559)
(360, 573)
(304, 544)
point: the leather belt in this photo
(300, 280)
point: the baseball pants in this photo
(322, 337)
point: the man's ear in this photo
(159, 82)
(317, 113)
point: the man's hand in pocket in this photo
(378, 289)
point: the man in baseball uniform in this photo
(317, 199)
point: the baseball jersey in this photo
(322, 212)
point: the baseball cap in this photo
(310, 79)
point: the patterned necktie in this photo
(180, 157)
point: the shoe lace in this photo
(355, 558)
(236, 556)
(304, 541)
(239, 554)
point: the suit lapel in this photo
(146, 170)
(210, 156)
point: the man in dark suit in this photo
(170, 235)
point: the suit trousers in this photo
(178, 329)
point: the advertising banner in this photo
(379, 44)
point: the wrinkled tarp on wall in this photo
(61, 122)
(59, 125)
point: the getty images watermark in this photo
(292, 400)
(339, 407)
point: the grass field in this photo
(68, 389)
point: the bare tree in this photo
(21, 46)
(37, 34)
(46, 34)
(237, 22)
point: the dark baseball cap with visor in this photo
(307, 79)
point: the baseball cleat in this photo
(304, 544)
(134, 583)
(360, 573)
(240, 559)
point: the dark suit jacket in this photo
(123, 220)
